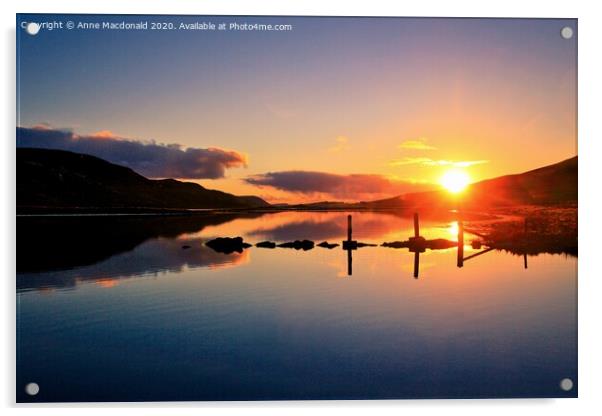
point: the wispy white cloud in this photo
(417, 144)
(426, 161)
(341, 144)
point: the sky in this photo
(334, 109)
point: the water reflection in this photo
(277, 324)
(60, 252)
(329, 226)
(151, 258)
(62, 243)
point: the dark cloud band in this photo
(339, 186)
(150, 159)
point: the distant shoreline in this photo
(46, 211)
(92, 212)
(144, 211)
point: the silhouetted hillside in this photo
(552, 184)
(60, 179)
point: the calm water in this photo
(115, 309)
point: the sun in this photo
(455, 180)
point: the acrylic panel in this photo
(295, 208)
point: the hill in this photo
(548, 185)
(57, 179)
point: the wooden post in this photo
(460, 243)
(349, 231)
(416, 225)
(525, 260)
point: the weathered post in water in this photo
(460, 243)
(349, 228)
(416, 225)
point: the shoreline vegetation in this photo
(535, 229)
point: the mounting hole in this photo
(566, 384)
(32, 28)
(32, 389)
(566, 32)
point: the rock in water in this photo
(327, 245)
(298, 245)
(359, 244)
(228, 245)
(420, 244)
(396, 244)
(266, 244)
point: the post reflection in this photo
(460, 262)
(349, 245)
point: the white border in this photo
(590, 201)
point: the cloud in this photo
(426, 161)
(349, 187)
(419, 144)
(104, 134)
(410, 161)
(155, 160)
(342, 144)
